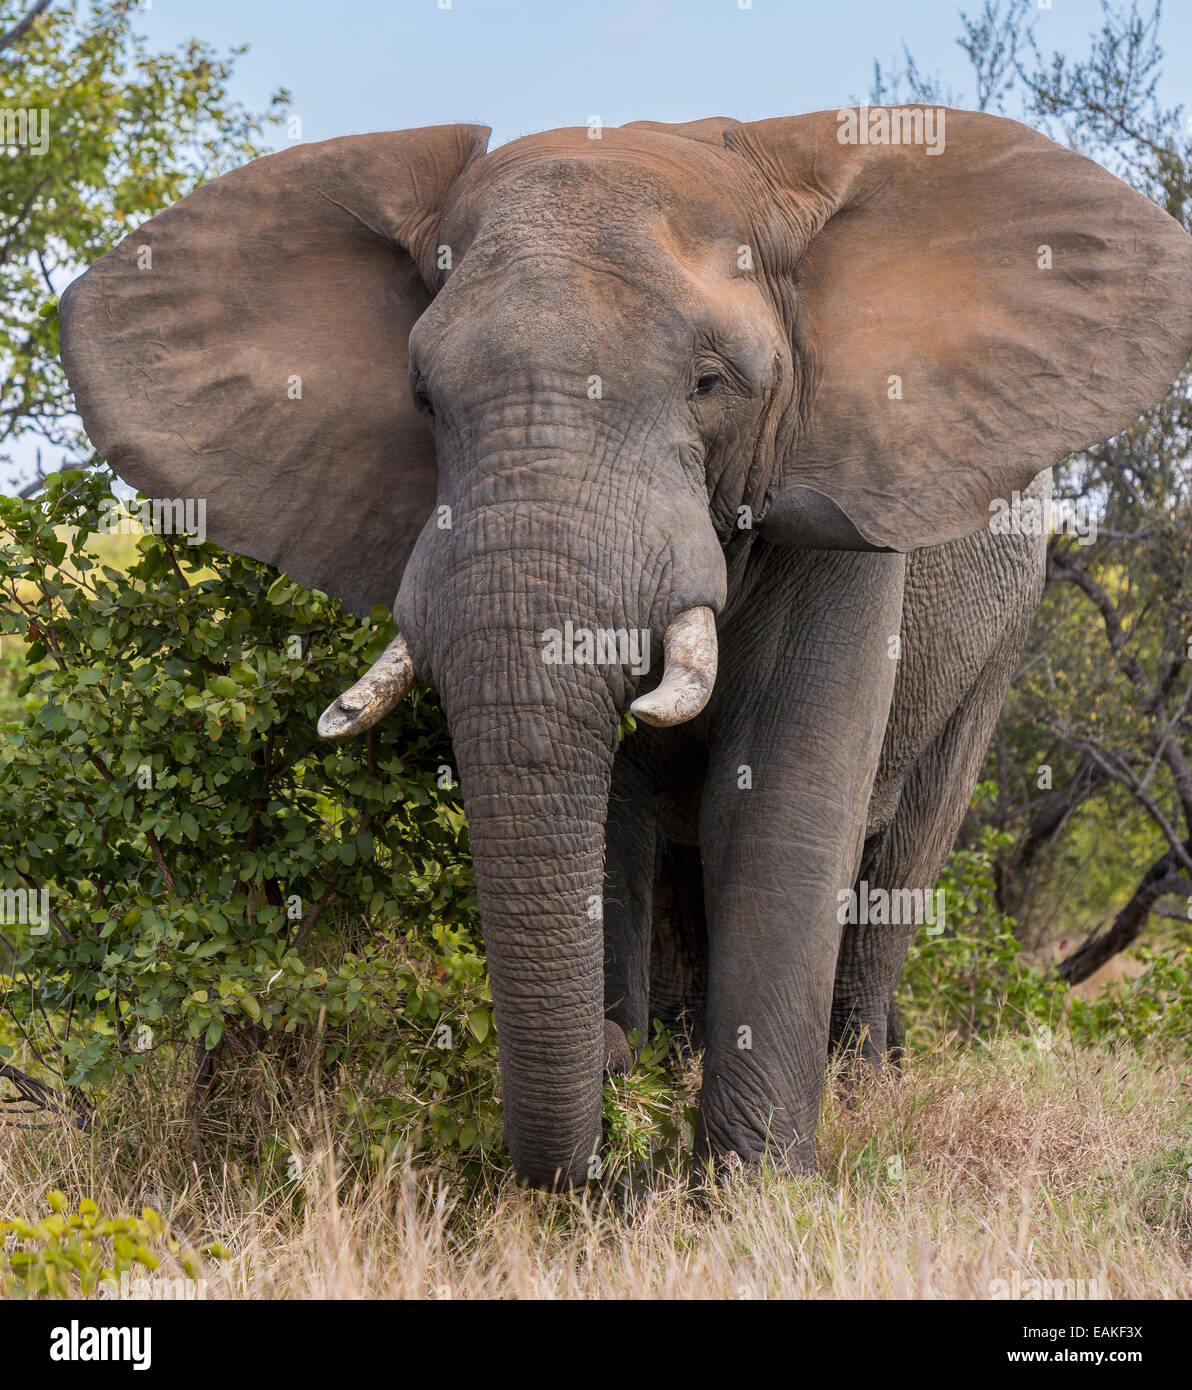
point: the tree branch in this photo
(57, 921)
(33, 1095)
(18, 30)
(1159, 880)
(1117, 768)
(1067, 567)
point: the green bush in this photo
(67, 1253)
(216, 875)
(971, 980)
(974, 980)
(1154, 1007)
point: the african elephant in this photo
(741, 392)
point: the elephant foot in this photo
(724, 1153)
(618, 1057)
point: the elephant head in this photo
(541, 394)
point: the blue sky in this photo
(524, 65)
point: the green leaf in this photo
(479, 1024)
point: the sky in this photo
(526, 65)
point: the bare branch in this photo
(1159, 880)
(1117, 768)
(18, 30)
(33, 1096)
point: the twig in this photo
(33, 1095)
(18, 30)
(150, 838)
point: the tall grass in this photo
(968, 1167)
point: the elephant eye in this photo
(707, 384)
(422, 401)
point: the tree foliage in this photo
(213, 873)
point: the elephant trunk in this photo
(535, 777)
(536, 773)
(537, 624)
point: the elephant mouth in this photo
(688, 677)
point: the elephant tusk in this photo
(689, 673)
(373, 695)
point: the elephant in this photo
(744, 395)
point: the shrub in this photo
(67, 1253)
(1154, 1007)
(972, 980)
(214, 874)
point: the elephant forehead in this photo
(620, 194)
(512, 309)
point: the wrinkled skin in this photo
(630, 421)
(854, 797)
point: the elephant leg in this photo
(679, 946)
(908, 854)
(867, 971)
(791, 768)
(629, 866)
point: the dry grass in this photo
(934, 1184)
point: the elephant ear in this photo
(963, 319)
(249, 347)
